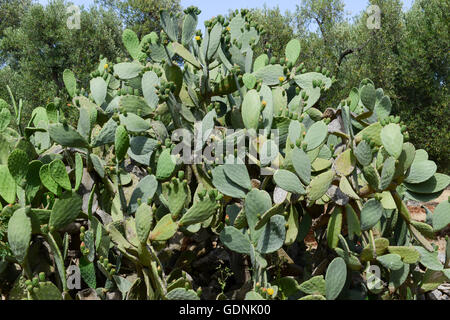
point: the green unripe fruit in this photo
(42, 276)
(35, 281)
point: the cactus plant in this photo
(340, 175)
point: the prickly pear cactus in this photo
(193, 146)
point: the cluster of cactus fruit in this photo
(342, 175)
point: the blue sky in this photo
(212, 8)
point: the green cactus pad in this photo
(270, 75)
(350, 259)
(135, 104)
(144, 217)
(370, 214)
(319, 185)
(149, 81)
(260, 62)
(368, 96)
(67, 136)
(313, 297)
(65, 210)
(144, 190)
(235, 240)
(19, 233)
(131, 42)
(272, 236)
(387, 174)
(18, 165)
(441, 216)
(316, 135)
(176, 194)
(302, 165)
(5, 118)
(182, 294)
(372, 133)
(371, 176)
(334, 227)
(292, 226)
(436, 183)
(292, 51)
(335, 278)
(391, 261)
(70, 82)
(7, 185)
(200, 211)
(251, 109)
(249, 80)
(121, 142)
(313, 286)
(87, 272)
(166, 165)
(409, 254)
(46, 291)
(392, 139)
(429, 259)
(345, 163)
(363, 153)
(346, 187)
(164, 229)
(288, 181)
(47, 180)
(127, 70)
(383, 108)
(421, 171)
(353, 224)
(256, 203)
(59, 174)
(106, 134)
(225, 185)
(238, 174)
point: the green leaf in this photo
(18, 165)
(66, 136)
(288, 181)
(335, 278)
(272, 236)
(334, 227)
(392, 139)
(251, 109)
(164, 229)
(225, 185)
(293, 50)
(7, 185)
(98, 89)
(370, 214)
(143, 219)
(19, 233)
(316, 135)
(421, 171)
(235, 240)
(436, 183)
(59, 174)
(319, 185)
(391, 261)
(441, 216)
(65, 210)
(70, 82)
(368, 96)
(302, 165)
